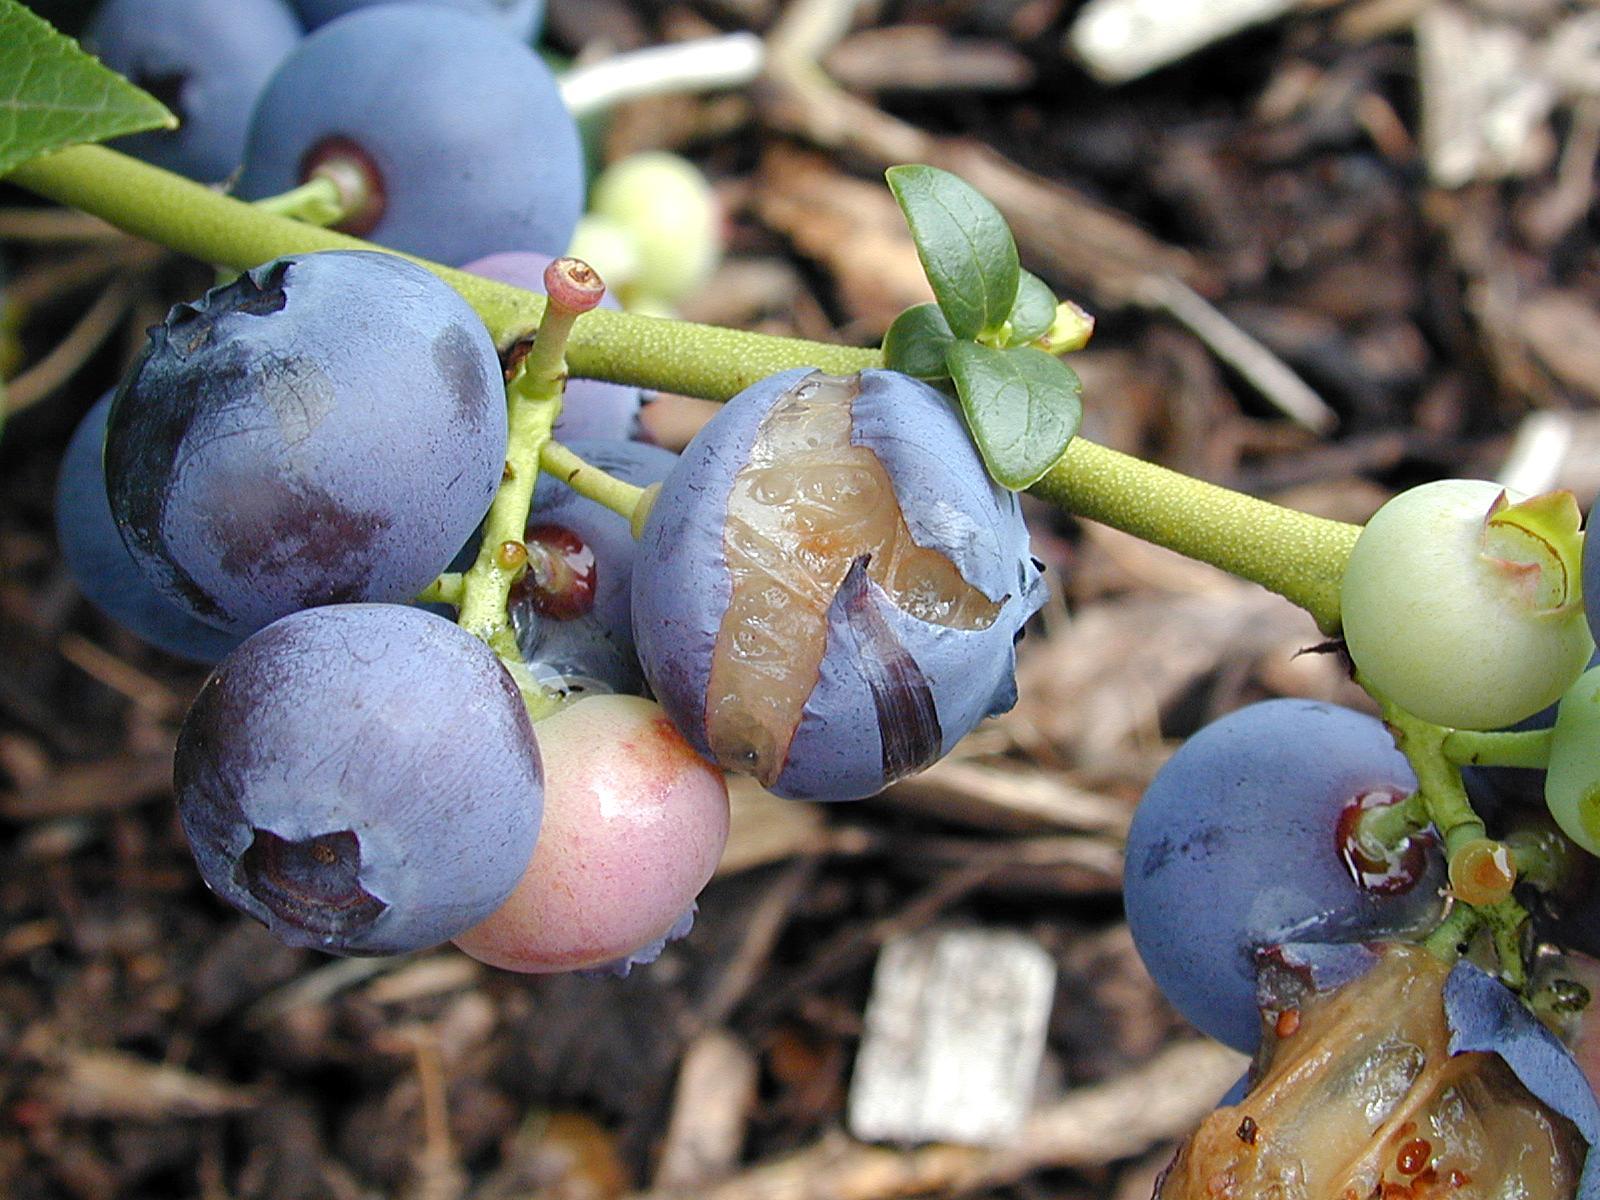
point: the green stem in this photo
(315, 202)
(1506, 921)
(444, 590)
(1384, 828)
(1528, 748)
(1300, 557)
(1452, 933)
(487, 584)
(589, 480)
(1438, 779)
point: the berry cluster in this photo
(1282, 841)
(484, 655)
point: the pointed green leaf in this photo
(53, 95)
(916, 342)
(1022, 405)
(964, 244)
(1034, 310)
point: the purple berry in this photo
(363, 779)
(325, 429)
(1241, 842)
(206, 60)
(521, 18)
(459, 130)
(105, 572)
(829, 587)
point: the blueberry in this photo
(206, 60)
(105, 572)
(363, 779)
(460, 129)
(327, 428)
(829, 587)
(1460, 603)
(521, 18)
(634, 825)
(591, 408)
(1241, 842)
(576, 622)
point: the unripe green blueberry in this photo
(668, 206)
(1572, 782)
(1461, 602)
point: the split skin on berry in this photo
(482, 656)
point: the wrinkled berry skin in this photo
(207, 60)
(363, 779)
(521, 18)
(682, 587)
(1235, 848)
(100, 564)
(596, 643)
(325, 429)
(590, 408)
(473, 146)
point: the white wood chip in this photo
(955, 1033)
(1119, 40)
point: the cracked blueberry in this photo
(829, 587)
(207, 61)
(1413, 1079)
(1244, 840)
(362, 779)
(456, 129)
(326, 429)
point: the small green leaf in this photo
(1034, 310)
(916, 342)
(1022, 405)
(53, 95)
(964, 244)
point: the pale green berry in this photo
(1572, 782)
(667, 205)
(1461, 603)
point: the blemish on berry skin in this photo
(1246, 1132)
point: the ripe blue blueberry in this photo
(207, 61)
(521, 17)
(105, 572)
(362, 778)
(590, 408)
(829, 587)
(573, 609)
(458, 129)
(326, 428)
(1243, 842)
